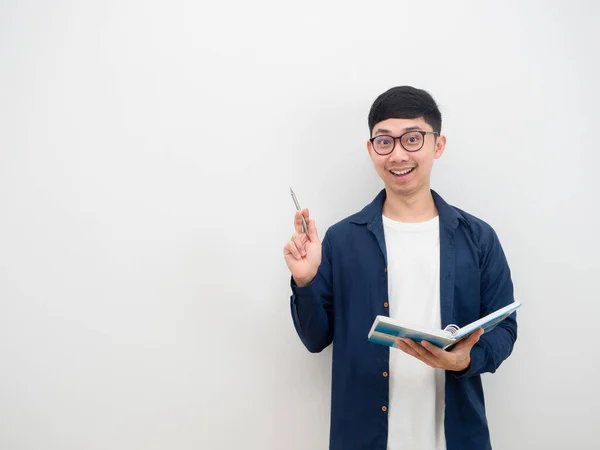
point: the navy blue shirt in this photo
(351, 288)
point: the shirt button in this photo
(386, 304)
(384, 409)
(385, 374)
(385, 269)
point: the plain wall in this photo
(146, 154)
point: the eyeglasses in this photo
(411, 141)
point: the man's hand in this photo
(302, 252)
(459, 358)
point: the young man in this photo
(407, 255)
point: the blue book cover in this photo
(385, 330)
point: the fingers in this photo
(298, 220)
(300, 242)
(435, 351)
(419, 349)
(297, 244)
(291, 248)
(412, 348)
(402, 345)
(313, 234)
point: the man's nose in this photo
(399, 152)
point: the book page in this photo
(488, 322)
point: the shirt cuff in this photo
(302, 291)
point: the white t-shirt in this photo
(416, 405)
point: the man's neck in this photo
(415, 207)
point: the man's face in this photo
(399, 160)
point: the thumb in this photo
(312, 231)
(474, 338)
(471, 340)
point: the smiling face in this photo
(405, 172)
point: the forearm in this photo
(491, 350)
(496, 292)
(311, 314)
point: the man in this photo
(407, 255)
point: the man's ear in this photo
(440, 146)
(369, 147)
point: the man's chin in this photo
(406, 190)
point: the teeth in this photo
(402, 172)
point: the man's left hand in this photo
(457, 359)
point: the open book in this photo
(385, 330)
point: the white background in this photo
(146, 154)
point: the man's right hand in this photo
(303, 252)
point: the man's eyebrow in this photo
(385, 131)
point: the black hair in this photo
(405, 102)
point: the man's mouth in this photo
(402, 173)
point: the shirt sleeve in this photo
(312, 305)
(496, 345)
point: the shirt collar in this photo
(371, 213)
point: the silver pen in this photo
(304, 226)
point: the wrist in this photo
(302, 282)
(462, 364)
